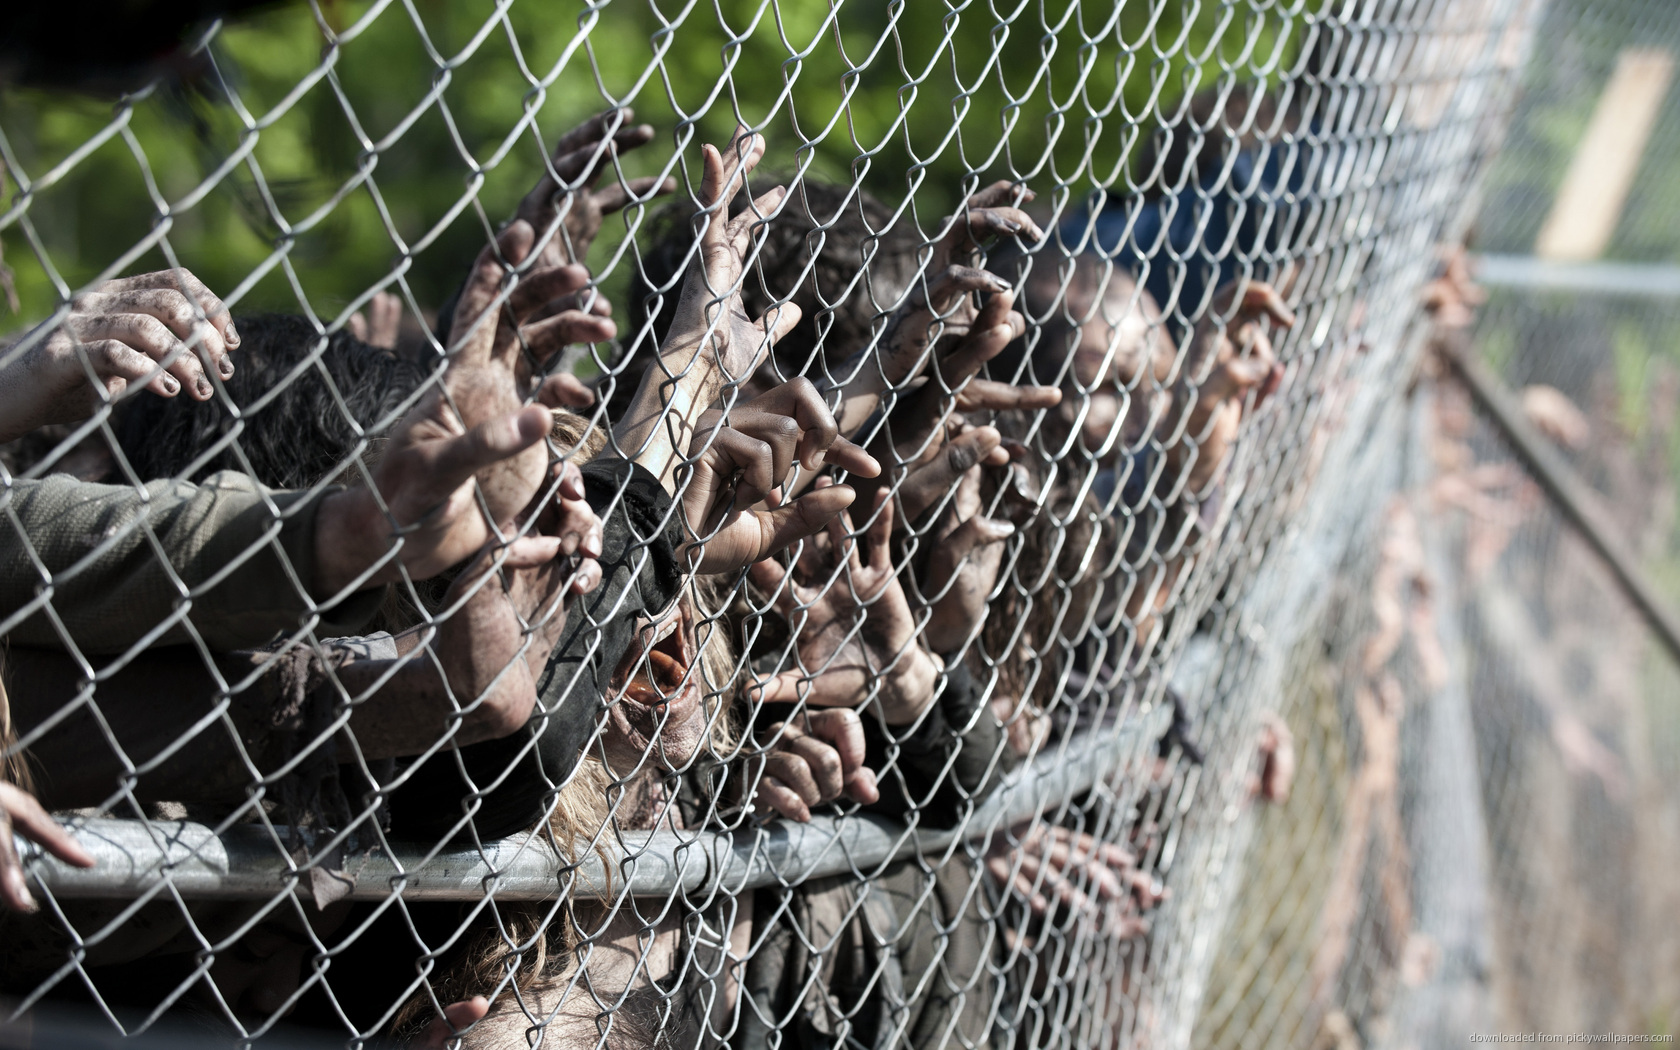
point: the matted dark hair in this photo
(299, 433)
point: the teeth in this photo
(663, 632)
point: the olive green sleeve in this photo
(232, 558)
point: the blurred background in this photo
(909, 99)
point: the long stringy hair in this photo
(534, 941)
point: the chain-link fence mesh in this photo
(1483, 826)
(389, 708)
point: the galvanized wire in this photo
(1071, 668)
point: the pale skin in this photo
(712, 342)
(713, 345)
(1230, 358)
(20, 813)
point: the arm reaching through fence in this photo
(1230, 357)
(422, 512)
(712, 343)
(739, 466)
(856, 638)
(937, 324)
(566, 194)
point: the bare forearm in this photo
(666, 412)
(412, 709)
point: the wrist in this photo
(910, 688)
(348, 527)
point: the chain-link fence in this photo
(1483, 828)
(468, 635)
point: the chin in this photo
(656, 716)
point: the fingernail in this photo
(226, 367)
(170, 384)
(20, 890)
(230, 335)
(204, 388)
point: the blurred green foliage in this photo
(350, 166)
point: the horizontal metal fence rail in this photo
(192, 862)
(1532, 274)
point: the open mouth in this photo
(655, 669)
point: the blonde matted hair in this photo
(522, 946)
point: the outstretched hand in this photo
(1230, 357)
(730, 500)
(712, 342)
(941, 305)
(940, 310)
(567, 192)
(856, 634)
(963, 566)
(1048, 866)
(469, 458)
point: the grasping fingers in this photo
(814, 763)
(565, 390)
(931, 483)
(170, 316)
(962, 570)
(579, 159)
(990, 395)
(990, 212)
(456, 1017)
(722, 177)
(19, 811)
(738, 466)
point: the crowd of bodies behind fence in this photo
(436, 587)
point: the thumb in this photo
(779, 528)
(982, 532)
(862, 786)
(804, 517)
(488, 444)
(473, 334)
(456, 1016)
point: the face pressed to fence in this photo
(1119, 360)
(658, 716)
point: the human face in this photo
(1118, 356)
(657, 713)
